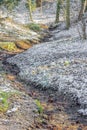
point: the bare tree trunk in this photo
(30, 10)
(41, 7)
(82, 17)
(38, 3)
(83, 28)
(83, 8)
(58, 11)
(67, 14)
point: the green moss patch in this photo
(9, 46)
(35, 27)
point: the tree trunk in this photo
(85, 6)
(81, 10)
(67, 14)
(38, 3)
(30, 10)
(83, 28)
(58, 11)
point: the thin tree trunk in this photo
(30, 10)
(41, 7)
(67, 14)
(85, 6)
(38, 3)
(58, 11)
(83, 28)
(81, 10)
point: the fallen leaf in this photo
(10, 77)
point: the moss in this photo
(35, 27)
(9, 46)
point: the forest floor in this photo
(22, 114)
(23, 111)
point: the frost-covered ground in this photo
(45, 15)
(21, 107)
(60, 66)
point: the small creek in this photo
(60, 106)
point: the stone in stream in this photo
(44, 66)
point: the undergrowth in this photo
(39, 106)
(33, 26)
(4, 100)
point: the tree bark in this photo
(83, 8)
(30, 10)
(58, 11)
(67, 14)
(38, 3)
